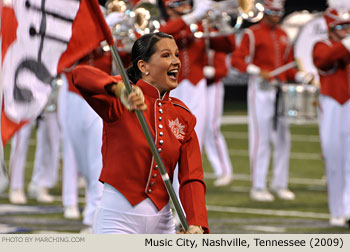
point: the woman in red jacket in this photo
(135, 199)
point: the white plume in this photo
(339, 4)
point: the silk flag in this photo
(40, 38)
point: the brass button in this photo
(152, 184)
(161, 133)
(160, 118)
(161, 142)
(159, 104)
(161, 111)
(159, 149)
(149, 190)
(160, 126)
(154, 175)
(156, 167)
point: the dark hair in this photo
(162, 9)
(143, 49)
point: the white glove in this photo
(209, 72)
(114, 18)
(253, 69)
(200, 9)
(303, 77)
(346, 42)
(125, 98)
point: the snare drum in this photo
(299, 102)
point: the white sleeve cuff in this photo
(346, 42)
(253, 69)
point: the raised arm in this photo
(325, 55)
(95, 86)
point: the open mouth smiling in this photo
(173, 74)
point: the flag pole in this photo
(150, 141)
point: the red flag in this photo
(40, 38)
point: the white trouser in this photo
(18, 156)
(69, 165)
(334, 121)
(195, 98)
(45, 173)
(261, 104)
(116, 215)
(215, 144)
(85, 131)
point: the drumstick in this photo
(282, 69)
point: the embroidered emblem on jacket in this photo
(177, 128)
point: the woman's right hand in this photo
(134, 101)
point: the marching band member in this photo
(178, 17)
(214, 143)
(70, 171)
(45, 171)
(84, 128)
(46, 160)
(192, 84)
(135, 199)
(17, 165)
(265, 47)
(332, 59)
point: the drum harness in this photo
(277, 103)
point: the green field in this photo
(230, 209)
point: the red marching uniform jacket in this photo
(192, 50)
(128, 163)
(265, 47)
(97, 58)
(332, 60)
(101, 60)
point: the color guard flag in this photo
(40, 38)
